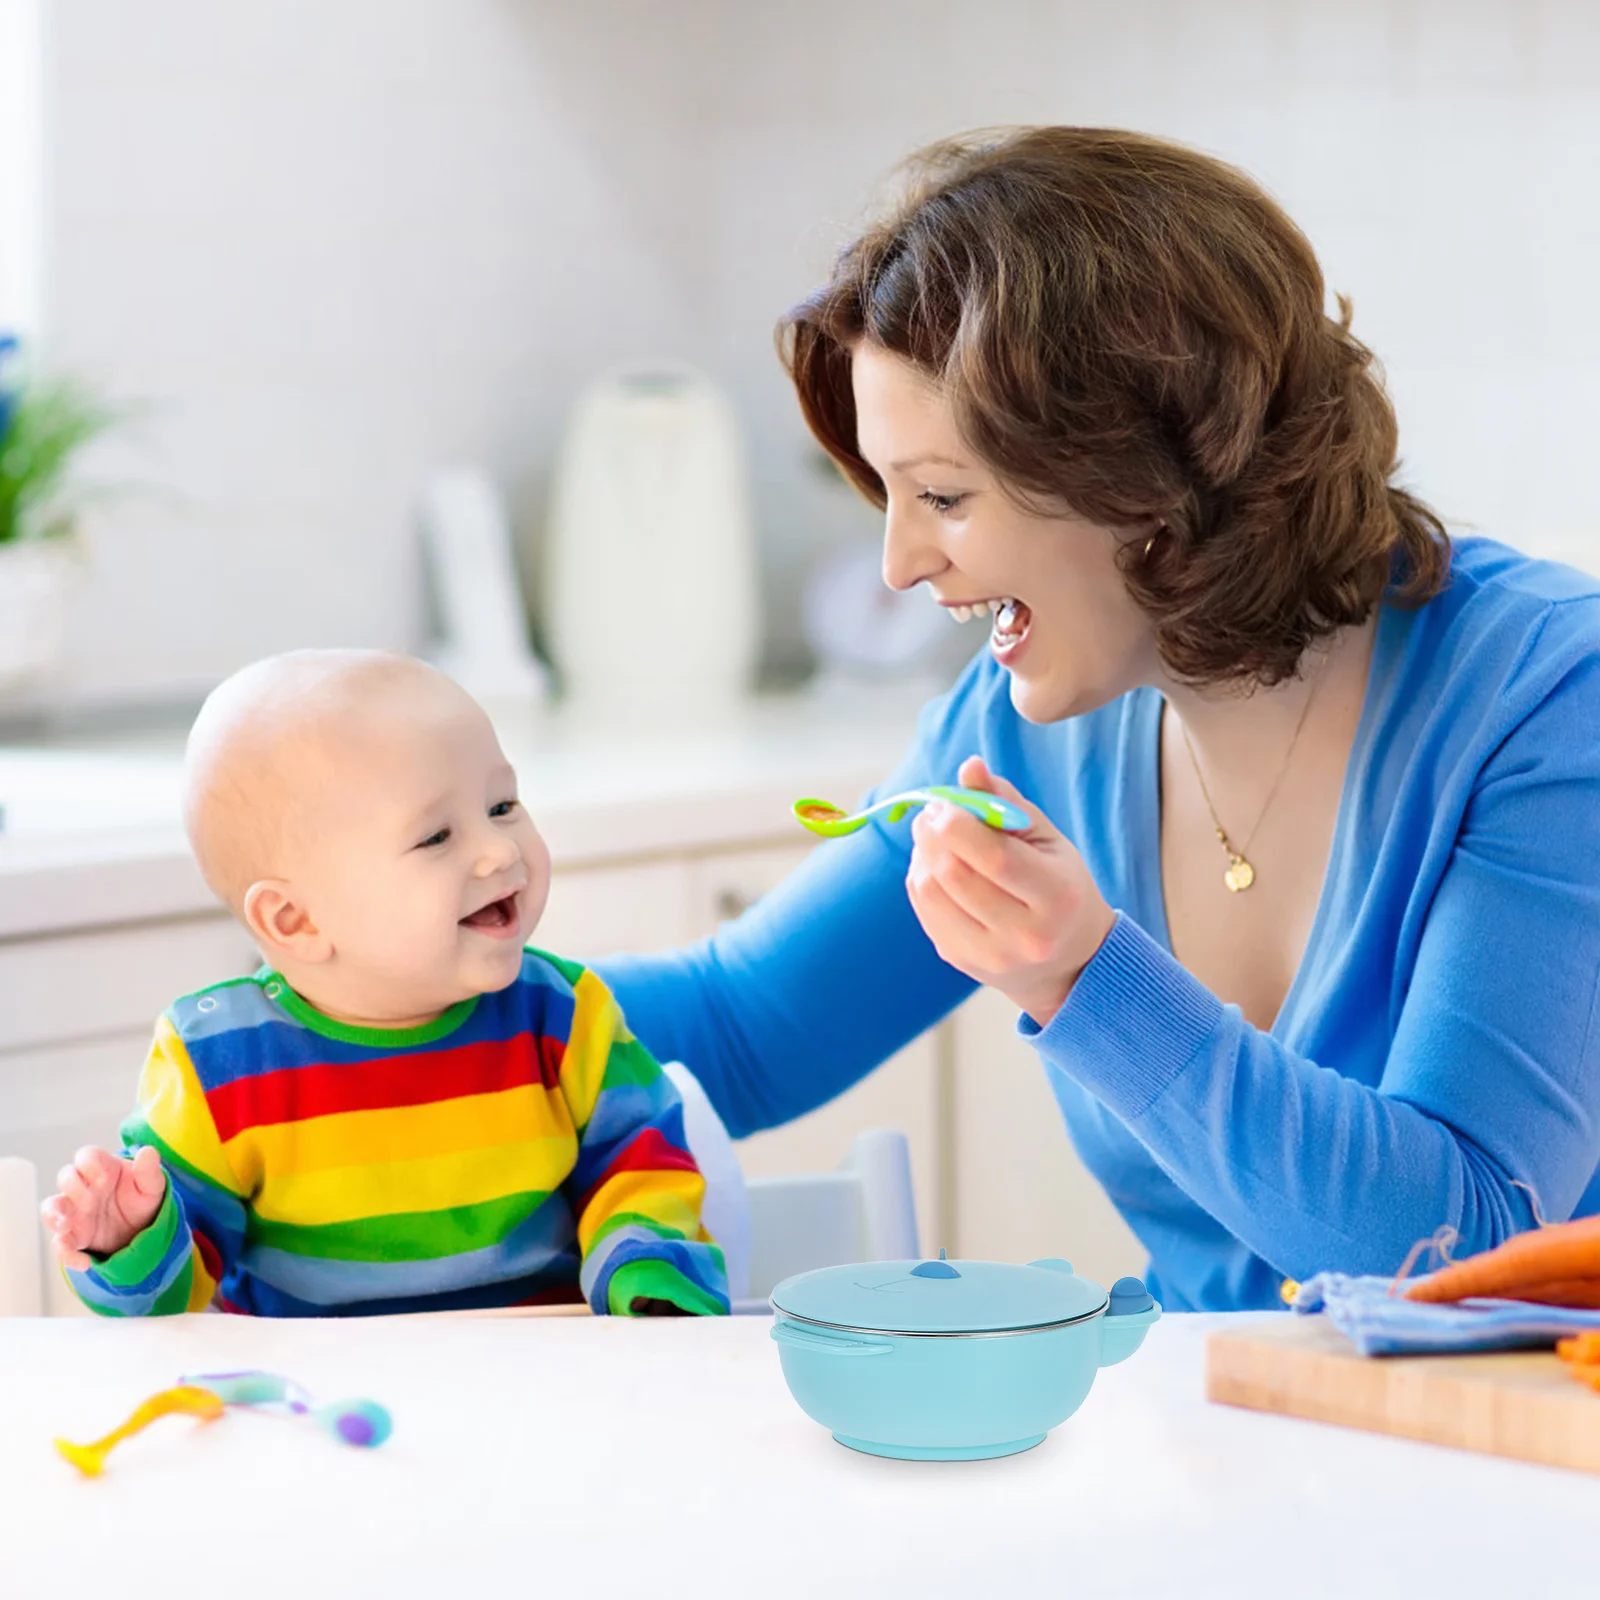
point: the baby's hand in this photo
(104, 1204)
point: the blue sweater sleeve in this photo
(1492, 1080)
(824, 979)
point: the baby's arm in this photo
(104, 1203)
(636, 1189)
(192, 1211)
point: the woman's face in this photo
(1071, 636)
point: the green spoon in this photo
(829, 821)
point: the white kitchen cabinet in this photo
(1019, 1189)
(56, 1098)
(636, 905)
(76, 1015)
(725, 884)
(100, 981)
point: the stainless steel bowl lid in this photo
(940, 1296)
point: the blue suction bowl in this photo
(950, 1361)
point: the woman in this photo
(1306, 931)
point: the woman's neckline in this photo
(1147, 875)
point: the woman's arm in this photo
(804, 995)
(1493, 1075)
(826, 977)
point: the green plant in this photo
(44, 423)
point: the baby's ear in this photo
(281, 923)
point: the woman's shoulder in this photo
(1486, 570)
(1504, 610)
(1512, 640)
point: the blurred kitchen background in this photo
(326, 248)
(328, 245)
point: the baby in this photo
(404, 1109)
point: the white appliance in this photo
(480, 637)
(653, 607)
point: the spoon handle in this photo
(985, 807)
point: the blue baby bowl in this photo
(950, 1360)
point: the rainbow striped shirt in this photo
(523, 1147)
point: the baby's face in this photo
(423, 870)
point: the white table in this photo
(662, 1458)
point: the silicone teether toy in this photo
(187, 1399)
(207, 1395)
(359, 1422)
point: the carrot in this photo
(1581, 1292)
(1563, 1252)
(1581, 1352)
(1582, 1349)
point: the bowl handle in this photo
(1121, 1335)
(826, 1343)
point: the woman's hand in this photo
(1017, 911)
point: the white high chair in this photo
(21, 1273)
(770, 1228)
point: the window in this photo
(21, 165)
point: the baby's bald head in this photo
(281, 741)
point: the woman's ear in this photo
(282, 924)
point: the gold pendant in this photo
(1240, 874)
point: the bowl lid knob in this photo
(935, 1269)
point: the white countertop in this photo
(579, 1456)
(93, 834)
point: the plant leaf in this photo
(49, 424)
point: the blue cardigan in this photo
(1438, 1049)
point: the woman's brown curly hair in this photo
(1135, 331)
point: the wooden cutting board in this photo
(1517, 1403)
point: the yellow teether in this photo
(90, 1459)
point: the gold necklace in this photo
(1239, 874)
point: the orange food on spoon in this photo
(817, 810)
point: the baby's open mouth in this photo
(495, 917)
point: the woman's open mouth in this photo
(498, 919)
(1008, 626)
